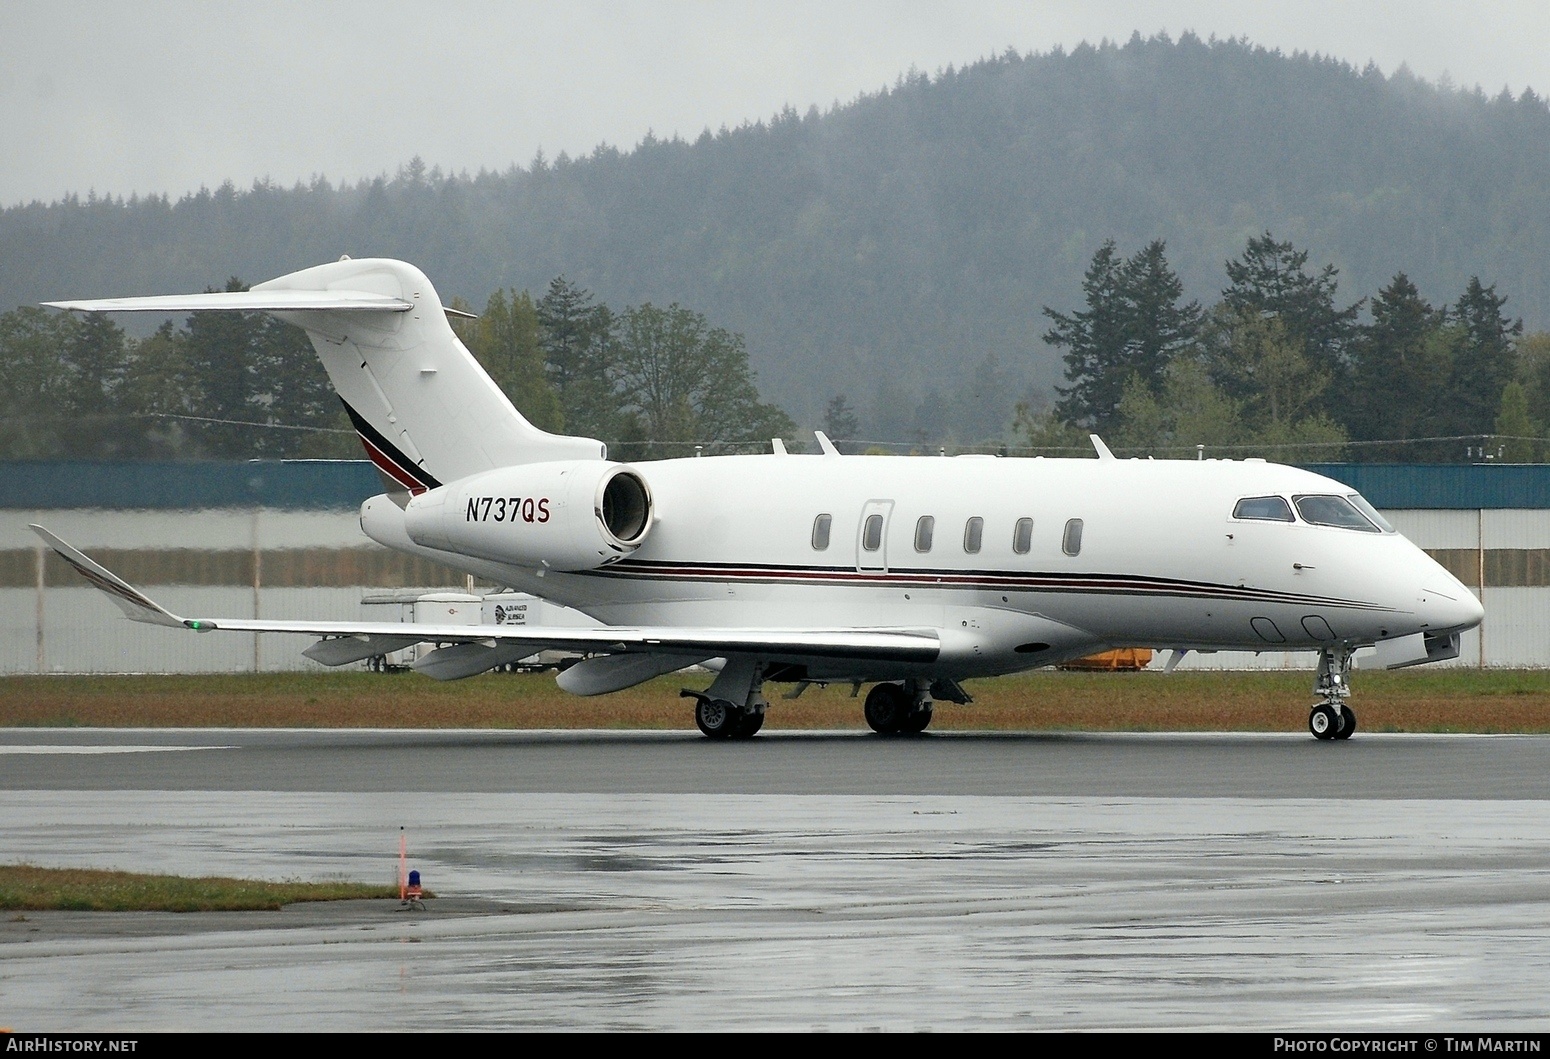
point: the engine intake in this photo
(575, 515)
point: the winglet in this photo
(1103, 450)
(136, 605)
(825, 444)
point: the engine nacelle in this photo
(575, 515)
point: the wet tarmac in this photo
(635, 881)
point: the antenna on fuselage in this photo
(1103, 450)
(825, 444)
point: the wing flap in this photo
(893, 645)
(245, 301)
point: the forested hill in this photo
(900, 248)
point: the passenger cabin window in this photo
(1022, 536)
(872, 533)
(973, 535)
(1071, 543)
(1270, 508)
(821, 526)
(1334, 511)
(924, 528)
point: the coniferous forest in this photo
(1179, 243)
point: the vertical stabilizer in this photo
(426, 411)
(424, 408)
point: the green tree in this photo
(37, 381)
(221, 350)
(1399, 372)
(1516, 432)
(577, 340)
(1043, 432)
(1189, 411)
(94, 359)
(292, 390)
(683, 381)
(158, 388)
(1257, 358)
(1484, 361)
(1133, 327)
(840, 422)
(839, 419)
(1271, 279)
(505, 340)
(1534, 374)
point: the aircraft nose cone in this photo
(1452, 608)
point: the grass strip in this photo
(25, 887)
(1413, 700)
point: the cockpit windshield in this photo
(1337, 511)
(1371, 512)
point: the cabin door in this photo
(872, 538)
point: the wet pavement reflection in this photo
(747, 911)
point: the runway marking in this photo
(62, 748)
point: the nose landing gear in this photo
(1331, 718)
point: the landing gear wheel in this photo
(916, 722)
(887, 707)
(746, 725)
(717, 718)
(1324, 722)
(1347, 722)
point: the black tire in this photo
(887, 706)
(1347, 722)
(1324, 722)
(916, 722)
(717, 718)
(746, 725)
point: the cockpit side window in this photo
(1334, 511)
(1271, 508)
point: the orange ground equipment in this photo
(1119, 660)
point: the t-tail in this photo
(426, 412)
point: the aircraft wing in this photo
(246, 301)
(475, 648)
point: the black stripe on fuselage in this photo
(984, 580)
(403, 465)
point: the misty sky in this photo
(167, 95)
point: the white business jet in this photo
(911, 574)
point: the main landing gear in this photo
(734, 704)
(1331, 718)
(899, 709)
(720, 719)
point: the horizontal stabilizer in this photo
(245, 301)
(135, 604)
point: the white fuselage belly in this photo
(1162, 562)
